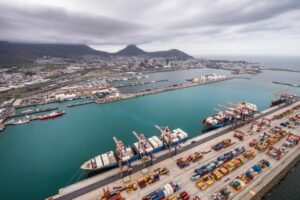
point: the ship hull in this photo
(53, 116)
(212, 127)
(114, 165)
(133, 158)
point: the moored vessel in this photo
(144, 146)
(231, 115)
(103, 161)
(52, 115)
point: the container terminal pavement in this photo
(268, 163)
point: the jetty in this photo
(275, 122)
(39, 110)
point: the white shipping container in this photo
(137, 147)
(110, 154)
(153, 143)
(129, 151)
(158, 141)
(104, 156)
(180, 136)
(105, 162)
(170, 188)
(99, 162)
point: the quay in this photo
(33, 112)
(80, 103)
(160, 90)
(140, 83)
(92, 188)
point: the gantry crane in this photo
(121, 151)
(141, 148)
(165, 133)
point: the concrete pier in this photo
(92, 188)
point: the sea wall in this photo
(278, 177)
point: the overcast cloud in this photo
(195, 26)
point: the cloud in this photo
(191, 25)
(53, 24)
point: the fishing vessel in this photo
(52, 115)
(142, 147)
(230, 115)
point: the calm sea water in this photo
(285, 62)
(40, 157)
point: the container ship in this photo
(52, 115)
(282, 98)
(142, 147)
(230, 115)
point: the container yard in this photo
(226, 163)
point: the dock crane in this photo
(120, 147)
(165, 133)
(141, 148)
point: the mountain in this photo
(173, 53)
(26, 53)
(132, 50)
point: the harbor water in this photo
(40, 157)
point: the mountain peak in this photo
(131, 50)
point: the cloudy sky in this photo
(198, 27)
